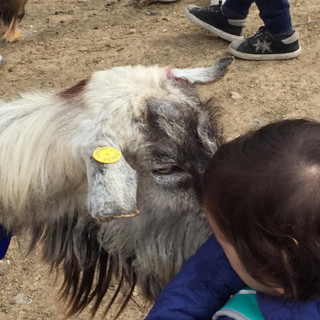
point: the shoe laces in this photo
(261, 34)
(261, 30)
(216, 7)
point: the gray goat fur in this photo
(52, 188)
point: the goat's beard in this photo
(93, 255)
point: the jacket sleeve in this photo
(4, 242)
(204, 283)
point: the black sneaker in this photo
(212, 19)
(264, 46)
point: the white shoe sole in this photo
(224, 35)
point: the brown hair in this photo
(263, 191)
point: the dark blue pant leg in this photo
(240, 7)
(274, 13)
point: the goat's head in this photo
(159, 128)
(163, 137)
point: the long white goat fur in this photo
(42, 135)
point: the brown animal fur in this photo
(11, 12)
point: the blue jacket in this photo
(4, 242)
(204, 284)
(275, 308)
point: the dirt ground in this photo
(65, 41)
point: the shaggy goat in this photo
(53, 186)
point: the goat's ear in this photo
(112, 184)
(203, 75)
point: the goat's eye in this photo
(166, 170)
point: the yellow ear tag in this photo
(107, 155)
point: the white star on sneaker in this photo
(264, 46)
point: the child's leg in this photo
(276, 16)
(276, 40)
(236, 9)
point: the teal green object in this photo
(242, 306)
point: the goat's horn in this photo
(203, 75)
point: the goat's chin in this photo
(116, 217)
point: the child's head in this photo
(262, 198)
